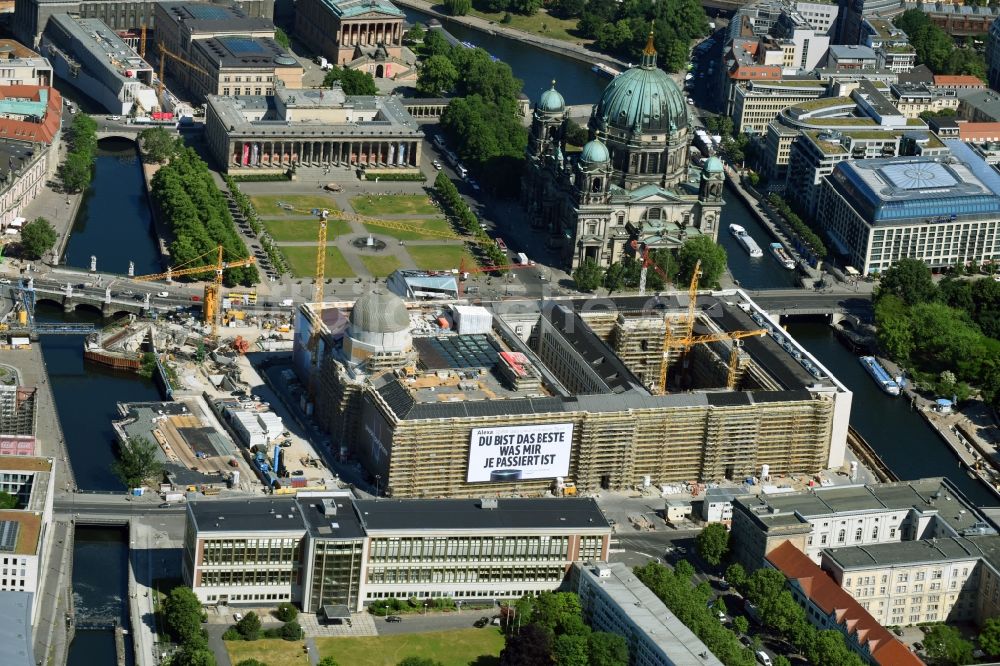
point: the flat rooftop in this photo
(330, 517)
(19, 532)
(25, 464)
(208, 18)
(448, 515)
(103, 44)
(925, 551)
(232, 52)
(16, 646)
(661, 629)
(923, 495)
(252, 515)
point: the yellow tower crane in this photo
(142, 41)
(210, 304)
(164, 54)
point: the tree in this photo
(989, 637)
(249, 627)
(608, 649)
(157, 144)
(567, 8)
(435, 43)
(614, 277)
(291, 631)
(437, 76)
(327, 661)
(182, 611)
(193, 655)
(763, 587)
(138, 462)
(741, 625)
(286, 612)
(909, 280)
(76, 171)
(281, 37)
(352, 82)
(532, 646)
(576, 135)
(252, 662)
(457, 7)
(7, 501)
(37, 238)
(711, 254)
(713, 543)
(946, 645)
(588, 275)
(415, 33)
(415, 661)
(571, 650)
(736, 575)
(558, 612)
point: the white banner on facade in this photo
(520, 452)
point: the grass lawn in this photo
(460, 647)
(394, 204)
(302, 261)
(271, 651)
(538, 24)
(439, 257)
(380, 265)
(431, 224)
(304, 230)
(267, 204)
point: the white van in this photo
(763, 659)
(461, 171)
(163, 294)
(287, 303)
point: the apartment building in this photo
(851, 57)
(891, 45)
(617, 602)
(20, 65)
(912, 99)
(862, 515)
(828, 606)
(320, 549)
(942, 210)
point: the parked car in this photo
(897, 631)
(196, 298)
(237, 616)
(437, 165)
(763, 658)
(165, 505)
(393, 618)
(115, 118)
(481, 622)
(918, 646)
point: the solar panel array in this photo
(242, 45)
(8, 535)
(206, 12)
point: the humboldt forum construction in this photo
(526, 397)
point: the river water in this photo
(114, 222)
(537, 68)
(100, 584)
(762, 272)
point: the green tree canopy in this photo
(712, 256)
(182, 611)
(193, 655)
(945, 645)
(352, 81)
(251, 662)
(571, 650)
(286, 612)
(291, 631)
(76, 171)
(908, 279)
(989, 637)
(736, 575)
(437, 76)
(576, 135)
(249, 627)
(137, 463)
(327, 661)
(608, 649)
(7, 501)
(435, 43)
(531, 646)
(588, 276)
(158, 145)
(37, 238)
(281, 37)
(457, 7)
(713, 543)
(415, 33)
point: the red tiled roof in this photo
(979, 131)
(964, 80)
(834, 600)
(21, 130)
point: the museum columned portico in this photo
(256, 153)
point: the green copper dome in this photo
(713, 165)
(551, 101)
(643, 99)
(595, 152)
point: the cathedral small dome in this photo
(713, 165)
(595, 152)
(551, 101)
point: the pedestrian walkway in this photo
(362, 624)
(55, 597)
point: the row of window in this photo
(251, 597)
(382, 575)
(239, 79)
(246, 91)
(246, 577)
(466, 548)
(250, 551)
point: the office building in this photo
(16, 629)
(360, 34)
(757, 103)
(424, 407)
(17, 411)
(801, 46)
(631, 181)
(617, 602)
(32, 16)
(758, 18)
(891, 45)
(863, 515)
(327, 549)
(912, 99)
(979, 106)
(91, 57)
(245, 66)
(828, 606)
(943, 210)
(853, 14)
(851, 57)
(309, 127)
(25, 540)
(717, 507)
(742, 66)
(958, 82)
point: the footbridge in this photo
(795, 302)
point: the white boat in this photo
(781, 254)
(880, 375)
(744, 239)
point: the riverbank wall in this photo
(560, 47)
(164, 236)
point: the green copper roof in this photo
(551, 100)
(595, 152)
(25, 107)
(349, 8)
(714, 164)
(643, 99)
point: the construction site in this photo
(527, 397)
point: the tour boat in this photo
(744, 239)
(781, 254)
(880, 375)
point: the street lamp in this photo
(425, 608)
